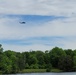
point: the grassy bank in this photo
(33, 70)
(38, 70)
(56, 70)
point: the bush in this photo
(48, 67)
(48, 70)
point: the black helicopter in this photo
(22, 22)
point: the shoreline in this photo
(25, 71)
(40, 71)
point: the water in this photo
(66, 73)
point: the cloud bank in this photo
(38, 7)
(49, 23)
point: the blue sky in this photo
(49, 23)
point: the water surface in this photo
(66, 73)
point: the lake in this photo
(66, 73)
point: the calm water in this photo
(66, 73)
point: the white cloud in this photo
(38, 7)
(23, 48)
(11, 29)
(68, 43)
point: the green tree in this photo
(48, 67)
(6, 65)
(55, 55)
(65, 63)
(20, 61)
(69, 52)
(46, 57)
(74, 63)
(1, 49)
(40, 58)
(74, 52)
(27, 66)
(11, 55)
(33, 60)
(1, 56)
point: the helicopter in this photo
(22, 22)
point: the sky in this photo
(49, 23)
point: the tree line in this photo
(14, 62)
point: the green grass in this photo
(56, 70)
(33, 70)
(38, 70)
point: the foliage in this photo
(65, 63)
(48, 67)
(14, 62)
(55, 55)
